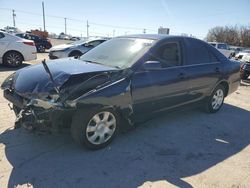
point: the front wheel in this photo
(215, 100)
(94, 130)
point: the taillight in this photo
(29, 43)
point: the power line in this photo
(77, 20)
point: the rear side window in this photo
(199, 53)
(2, 35)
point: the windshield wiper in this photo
(50, 75)
(88, 61)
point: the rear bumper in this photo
(30, 56)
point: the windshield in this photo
(118, 52)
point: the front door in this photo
(162, 88)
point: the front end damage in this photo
(50, 103)
(38, 114)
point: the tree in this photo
(233, 35)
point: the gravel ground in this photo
(180, 149)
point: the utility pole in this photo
(14, 16)
(114, 33)
(144, 31)
(65, 26)
(87, 29)
(43, 17)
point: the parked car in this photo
(223, 48)
(75, 49)
(41, 43)
(245, 67)
(14, 50)
(240, 55)
(75, 38)
(128, 78)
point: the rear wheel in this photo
(13, 59)
(94, 130)
(215, 101)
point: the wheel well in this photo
(226, 86)
(13, 51)
(75, 51)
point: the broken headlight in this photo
(7, 84)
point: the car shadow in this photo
(5, 69)
(170, 147)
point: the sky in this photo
(114, 17)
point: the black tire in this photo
(75, 54)
(81, 120)
(13, 59)
(41, 48)
(210, 101)
(244, 76)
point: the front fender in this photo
(116, 95)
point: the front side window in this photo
(169, 55)
(118, 52)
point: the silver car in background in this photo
(74, 49)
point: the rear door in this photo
(3, 44)
(163, 88)
(202, 68)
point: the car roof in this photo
(149, 36)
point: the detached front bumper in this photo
(36, 113)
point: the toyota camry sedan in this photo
(125, 79)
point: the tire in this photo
(244, 76)
(13, 59)
(75, 54)
(41, 48)
(215, 101)
(92, 132)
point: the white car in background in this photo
(241, 54)
(74, 49)
(223, 48)
(15, 50)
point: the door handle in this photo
(181, 75)
(217, 70)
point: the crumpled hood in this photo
(61, 47)
(35, 80)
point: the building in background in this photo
(163, 30)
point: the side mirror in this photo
(151, 65)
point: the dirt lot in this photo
(180, 149)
